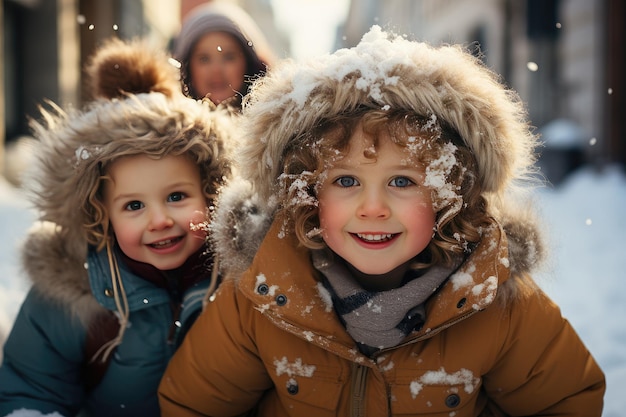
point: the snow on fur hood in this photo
(383, 71)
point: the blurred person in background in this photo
(221, 51)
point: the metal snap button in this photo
(453, 400)
(281, 300)
(292, 388)
(263, 289)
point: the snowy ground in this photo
(585, 219)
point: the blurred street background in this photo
(566, 58)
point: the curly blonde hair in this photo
(461, 209)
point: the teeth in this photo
(374, 238)
(163, 243)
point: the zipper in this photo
(357, 391)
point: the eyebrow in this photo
(406, 167)
(173, 187)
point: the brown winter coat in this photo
(493, 343)
(281, 345)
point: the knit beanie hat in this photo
(385, 71)
(221, 16)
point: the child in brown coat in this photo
(395, 277)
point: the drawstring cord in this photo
(121, 303)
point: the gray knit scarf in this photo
(378, 320)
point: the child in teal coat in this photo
(119, 263)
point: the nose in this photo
(218, 65)
(160, 219)
(373, 204)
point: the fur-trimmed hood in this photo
(384, 71)
(138, 108)
(446, 82)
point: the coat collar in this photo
(473, 287)
(80, 279)
(283, 285)
(139, 292)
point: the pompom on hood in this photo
(120, 68)
(383, 71)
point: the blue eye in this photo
(176, 197)
(346, 182)
(401, 182)
(134, 205)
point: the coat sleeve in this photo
(41, 368)
(217, 370)
(543, 368)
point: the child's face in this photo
(151, 204)
(217, 65)
(375, 213)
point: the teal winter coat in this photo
(86, 302)
(45, 357)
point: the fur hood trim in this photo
(240, 221)
(387, 71)
(58, 271)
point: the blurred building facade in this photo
(45, 45)
(566, 58)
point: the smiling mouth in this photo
(375, 238)
(165, 243)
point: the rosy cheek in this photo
(199, 223)
(324, 225)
